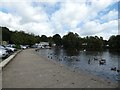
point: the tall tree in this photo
(6, 34)
(94, 43)
(71, 41)
(44, 38)
(57, 40)
(114, 43)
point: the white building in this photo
(84, 44)
(43, 45)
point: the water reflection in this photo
(72, 52)
(57, 51)
(86, 61)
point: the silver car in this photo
(3, 53)
(11, 48)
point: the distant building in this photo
(42, 45)
(84, 44)
(107, 45)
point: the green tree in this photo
(16, 38)
(50, 41)
(71, 41)
(94, 43)
(57, 40)
(6, 34)
(21, 38)
(114, 43)
(44, 38)
(38, 39)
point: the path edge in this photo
(9, 59)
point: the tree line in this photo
(69, 41)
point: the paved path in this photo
(29, 70)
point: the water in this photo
(84, 60)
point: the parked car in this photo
(23, 47)
(3, 47)
(10, 45)
(34, 46)
(27, 46)
(3, 53)
(11, 48)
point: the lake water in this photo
(84, 60)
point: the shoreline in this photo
(80, 71)
(39, 72)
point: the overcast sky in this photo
(48, 17)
